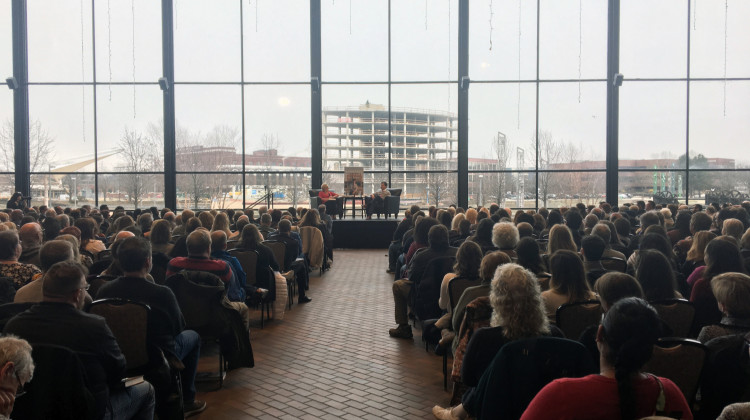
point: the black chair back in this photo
(615, 264)
(678, 314)
(680, 360)
(279, 253)
(574, 318)
(59, 389)
(9, 310)
(128, 321)
(456, 287)
(428, 288)
(7, 290)
(198, 302)
(159, 263)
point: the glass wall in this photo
(537, 103)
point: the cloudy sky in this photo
(210, 41)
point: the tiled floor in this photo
(332, 358)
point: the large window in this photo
(245, 87)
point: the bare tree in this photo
(549, 152)
(137, 152)
(501, 150)
(41, 147)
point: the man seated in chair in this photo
(166, 326)
(59, 320)
(199, 259)
(376, 201)
(294, 261)
(238, 289)
(438, 247)
(52, 252)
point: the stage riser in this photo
(368, 234)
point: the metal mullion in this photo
(96, 126)
(536, 119)
(316, 104)
(390, 117)
(462, 193)
(613, 100)
(170, 149)
(687, 116)
(242, 96)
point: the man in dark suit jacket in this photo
(166, 326)
(438, 247)
(58, 320)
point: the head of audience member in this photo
(655, 275)
(471, 215)
(134, 256)
(16, 369)
(88, 229)
(250, 238)
(721, 256)
(622, 226)
(121, 235)
(145, 221)
(517, 304)
(568, 275)
(65, 282)
(730, 227)
(649, 218)
(456, 222)
(560, 238)
(659, 243)
(10, 246)
(437, 237)
(667, 216)
(422, 228)
(573, 220)
(30, 235)
(285, 227)
(527, 251)
(603, 231)
(468, 260)
(445, 218)
(265, 220)
(161, 232)
(481, 216)
(218, 241)
(613, 286)
(186, 215)
(206, 218)
(505, 235)
(732, 292)
(192, 224)
(275, 217)
(241, 222)
(658, 229)
(74, 242)
(700, 221)
(490, 263)
(171, 218)
(626, 340)
(311, 218)
(63, 220)
(698, 246)
(221, 222)
(540, 223)
(592, 247)
(199, 243)
(590, 221)
(525, 230)
(54, 251)
(464, 228)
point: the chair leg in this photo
(445, 370)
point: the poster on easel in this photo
(354, 180)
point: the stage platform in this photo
(363, 234)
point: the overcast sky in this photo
(572, 45)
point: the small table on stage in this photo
(353, 209)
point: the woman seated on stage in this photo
(329, 199)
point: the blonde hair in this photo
(733, 291)
(698, 248)
(457, 221)
(517, 304)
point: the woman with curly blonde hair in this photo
(517, 312)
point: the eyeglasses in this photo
(21, 386)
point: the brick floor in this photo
(332, 358)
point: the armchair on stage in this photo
(315, 201)
(391, 204)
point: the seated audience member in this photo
(199, 259)
(30, 236)
(514, 291)
(207, 219)
(180, 246)
(438, 247)
(161, 234)
(745, 248)
(89, 231)
(166, 326)
(654, 241)
(604, 231)
(51, 228)
(560, 238)
(574, 220)
(294, 260)
(144, 222)
(324, 217)
(592, 248)
(52, 252)
(312, 219)
(625, 339)
(695, 256)
(85, 260)
(376, 201)
(328, 198)
(527, 252)
(10, 250)
(455, 223)
(186, 215)
(732, 292)
(237, 288)
(483, 235)
(525, 230)
(59, 320)
(221, 222)
(568, 283)
(655, 275)
(16, 370)
(681, 228)
(265, 225)
(733, 228)
(468, 260)
(505, 237)
(699, 222)
(721, 256)
(395, 248)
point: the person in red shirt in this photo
(329, 199)
(621, 390)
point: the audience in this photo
(10, 249)
(568, 283)
(16, 370)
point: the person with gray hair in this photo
(30, 235)
(10, 249)
(730, 227)
(17, 369)
(505, 237)
(265, 225)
